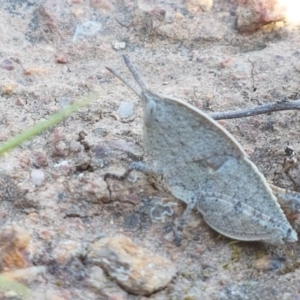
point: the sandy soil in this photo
(196, 57)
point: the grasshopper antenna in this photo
(135, 75)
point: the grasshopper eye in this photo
(150, 112)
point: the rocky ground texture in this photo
(65, 233)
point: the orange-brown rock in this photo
(136, 269)
(15, 248)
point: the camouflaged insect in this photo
(205, 167)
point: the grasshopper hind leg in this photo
(183, 220)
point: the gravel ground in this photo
(55, 204)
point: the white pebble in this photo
(125, 109)
(119, 45)
(37, 176)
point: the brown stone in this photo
(195, 6)
(253, 14)
(15, 248)
(62, 59)
(136, 269)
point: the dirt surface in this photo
(52, 186)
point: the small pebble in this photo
(7, 64)
(37, 177)
(8, 88)
(60, 149)
(64, 102)
(119, 45)
(75, 146)
(125, 109)
(41, 159)
(196, 6)
(62, 59)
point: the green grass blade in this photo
(40, 127)
(7, 284)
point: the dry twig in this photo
(257, 110)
